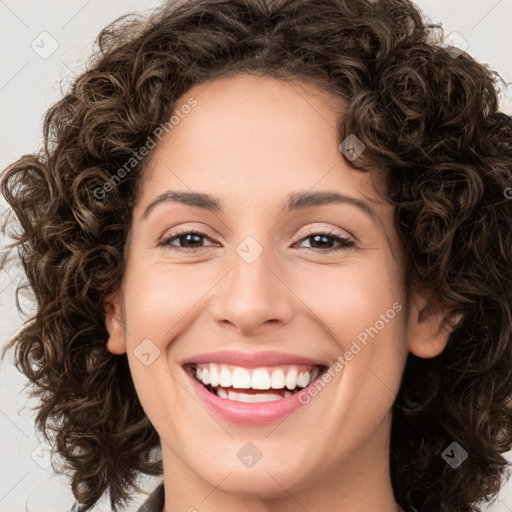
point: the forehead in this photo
(252, 138)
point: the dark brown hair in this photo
(426, 115)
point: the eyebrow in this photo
(294, 201)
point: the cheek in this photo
(160, 300)
(351, 300)
(159, 304)
(361, 311)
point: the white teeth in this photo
(241, 378)
(232, 396)
(214, 375)
(278, 380)
(226, 376)
(291, 379)
(244, 397)
(260, 379)
(250, 399)
(205, 376)
(247, 398)
(303, 379)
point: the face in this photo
(284, 288)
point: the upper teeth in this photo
(255, 378)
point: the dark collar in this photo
(155, 501)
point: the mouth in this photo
(254, 385)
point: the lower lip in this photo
(248, 414)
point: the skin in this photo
(250, 141)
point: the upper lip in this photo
(251, 359)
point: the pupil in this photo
(187, 238)
(317, 237)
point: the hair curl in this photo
(427, 116)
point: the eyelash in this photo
(344, 242)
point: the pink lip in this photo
(251, 360)
(247, 414)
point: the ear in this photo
(114, 323)
(430, 325)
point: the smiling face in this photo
(298, 256)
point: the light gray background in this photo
(31, 82)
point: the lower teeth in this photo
(250, 398)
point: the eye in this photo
(191, 239)
(322, 239)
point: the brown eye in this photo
(188, 240)
(324, 242)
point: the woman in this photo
(271, 240)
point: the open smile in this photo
(253, 385)
(252, 390)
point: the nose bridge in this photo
(253, 294)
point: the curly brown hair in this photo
(427, 115)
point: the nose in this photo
(252, 295)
